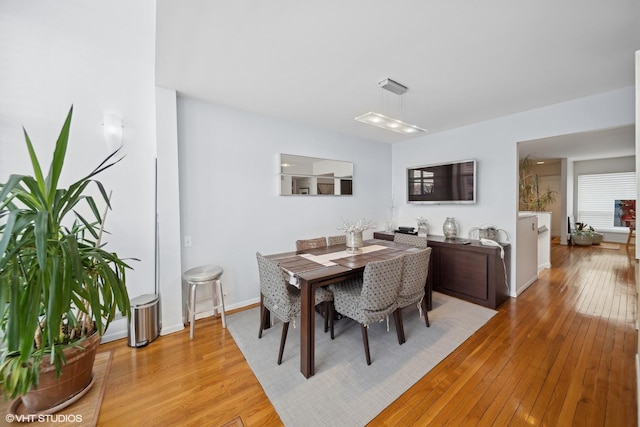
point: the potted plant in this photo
(59, 287)
(582, 234)
(597, 238)
(531, 197)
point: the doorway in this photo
(553, 183)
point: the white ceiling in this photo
(601, 144)
(319, 63)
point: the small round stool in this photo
(203, 275)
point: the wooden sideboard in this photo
(471, 271)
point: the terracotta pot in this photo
(76, 375)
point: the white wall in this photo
(229, 186)
(494, 145)
(100, 59)
(566, 179)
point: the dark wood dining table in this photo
(311, 275)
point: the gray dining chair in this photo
(371, 298)
(326, 307)
(279, 298)
(414, 277)
(305, 244)
(337, 240)
(410, 239)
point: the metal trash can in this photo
(144, 322)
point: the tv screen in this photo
(453, 182)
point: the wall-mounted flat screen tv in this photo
(453, 182)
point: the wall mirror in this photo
(312, 176)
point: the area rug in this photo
(345, 391)
(84, 412)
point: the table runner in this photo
(325, 259)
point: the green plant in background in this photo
(582, 229)
(531, 197)
(58, 284)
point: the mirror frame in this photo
(314, 176)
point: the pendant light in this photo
(386, 122)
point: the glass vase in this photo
(423, 228)
(450, 228)
(354, 242)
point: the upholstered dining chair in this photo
(414, 277)
(410, 239)
(318, 242)
(325, 294)
(337, 240)
(371, 298)
(279, 298)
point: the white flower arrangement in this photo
(358, 227)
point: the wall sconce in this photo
(113, 130)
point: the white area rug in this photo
(345, 391)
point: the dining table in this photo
(314, 268)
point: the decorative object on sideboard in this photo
(490, 232)
(388, 225)
(406, 230)
(450, 228)
(354, 233)
(423, 226)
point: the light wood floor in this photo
(561, 354)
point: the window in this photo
(597, 195)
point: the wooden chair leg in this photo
(365, 340)
(332, 313)
(283, 340)
(397, 317)
(325, 311)
(426, 312)
(263, 318)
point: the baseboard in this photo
(166, 330)
(543, 266)
(118, 329)
(227, 308)
(113, 336)
(526, 285)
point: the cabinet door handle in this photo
(532, 226)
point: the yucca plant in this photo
(531, 196)
(58, 284)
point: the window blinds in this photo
(597, 194)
